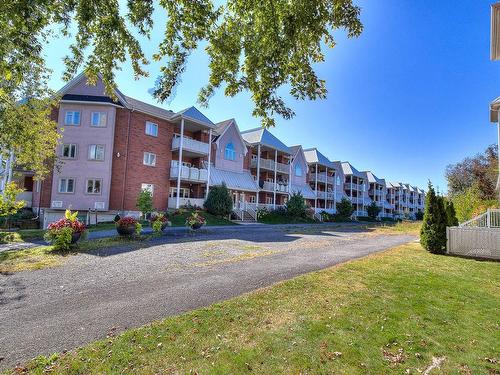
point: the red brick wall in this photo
(129, 172)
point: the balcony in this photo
(189, 174)
(270, 165)
(324, 194)
(185, 202)
(349, 185)
(190, 146)
(280, 188)
(321, 178)
(27, 197)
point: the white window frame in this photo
(103, 119)
(230, 153)
(93, 185)
(298, 168)
(71, 115)
(148, 187)
(252, 199)
(149, 129)
(269, 200)
(70, 146)
(185, 192)
(149, 159)
(93, 152)
(66, 179)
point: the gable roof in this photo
(192, 113)
(140, 106)
(313, 156)
(265, 138)
(233, 180)
(373, 179)
(349, 170)
(223, 126)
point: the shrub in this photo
(345, 208)
(451, 216)
(158, 222)
(373, 210)
(296, 206)
(433, 231)
(123, 225)
(60, 233)
(419, 215)
(365, 218)
(195, 220)
(219, 201)
(145, 202)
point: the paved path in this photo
(51, 310)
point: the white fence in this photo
(477, 242)
(490, 219)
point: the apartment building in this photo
(114, 147)
(325, 179)
(356, 188)
(270, 165)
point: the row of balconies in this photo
(281, 187)
(321, 178)
(270, 165)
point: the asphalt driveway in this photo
(58, 309)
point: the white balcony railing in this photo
(349, 185)
(270, 165)
(321, 178)
(190, 145)
(189, 173)
(27, 197)
(269, 186)
(185, 202)
(324, 194)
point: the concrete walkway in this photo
(52, 310)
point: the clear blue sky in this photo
(405, 99)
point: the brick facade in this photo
(129, 172)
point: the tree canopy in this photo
(479, 171)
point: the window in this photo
(69, 151)
(151, 129)
(94, 186)
(66, 185)
(184, 192)
(149, 159)
(98, 119)
(96, 152)
(252, 198)
(229, 152)
(148, 187)
(269, 200)
(72, 118)
(298, 170)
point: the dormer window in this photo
(229, 152)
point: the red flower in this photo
(126, 221)
(77, 226)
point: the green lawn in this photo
(180, 219)
(388, 313)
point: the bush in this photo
(419, 215)
(345, 208)
(296, 206)
(60, 233)
(373, 210)
(145, 202)
(451, 216)
(366, 218)
(433, 231)
(195, 220)
(159, 222)
(219, 201)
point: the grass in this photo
(388, 313)
(39, 257)
(180, 219)
(404, 227)
(29, 259)
(276, 218)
